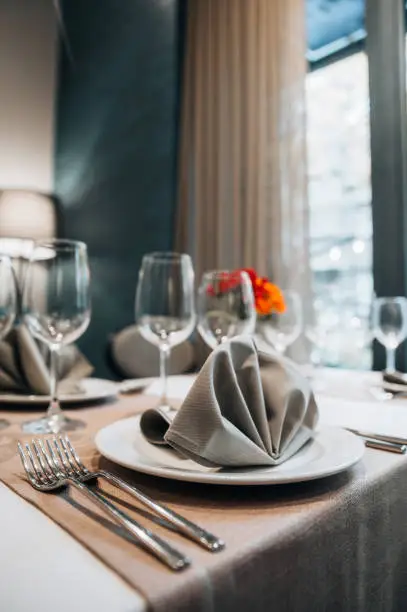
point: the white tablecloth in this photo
(43, 568)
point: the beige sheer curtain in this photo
(242, 181)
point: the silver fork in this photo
(46, 471)
(186, 527)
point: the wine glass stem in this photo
(164, 356)
(54, 408)
(390, 360)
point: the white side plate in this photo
(331, 451)
(93, 389)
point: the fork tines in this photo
(44, 466)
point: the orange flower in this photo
(268, 297)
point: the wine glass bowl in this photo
(390, 326)
(225, 306)
(282, 329)
(8, 303)
(56, 310)
(165, 304)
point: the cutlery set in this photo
(53, 464)
(381, 441)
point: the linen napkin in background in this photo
(398, 378)
(24, 369)
(245, 408)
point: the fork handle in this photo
(152, 543)
(189, 529)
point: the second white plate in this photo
(93, 389)
(331, 451)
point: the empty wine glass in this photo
(390, 326)
(56, 309)
(282, 329)
(225, 306)
(165, 305)
(8, 303)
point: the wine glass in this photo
(282, 329)
(226, 306)
(390, 326)
(56, 309)
(8, 303)
(165, 305)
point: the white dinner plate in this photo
(93, 389)
(331, 451)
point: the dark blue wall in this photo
(116, 132)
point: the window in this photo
(340, 206)
(357, 156)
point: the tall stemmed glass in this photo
(390, 326)
(165, 305)
(284, 328)
(56, 309)
(8, 303)
(226, 306)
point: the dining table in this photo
(333, 543)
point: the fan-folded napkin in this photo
(246, 408)
(23, 365)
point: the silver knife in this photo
(378, 437)
(385, 446)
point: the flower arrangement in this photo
(268, 297)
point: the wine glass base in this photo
(4, 423)
(52, 425)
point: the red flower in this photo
(268, 296)
(224, 282)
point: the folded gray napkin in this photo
(245, 408)
(23, 365)
(399, 378)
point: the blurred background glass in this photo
(282, 329)
(225, 306)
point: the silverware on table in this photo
(49, 470)
(386, 446)
(382, 442)
(186, 527)
(377, 436)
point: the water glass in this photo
(390, 326)
(165, 305)
(226, 306)
(56, 309)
